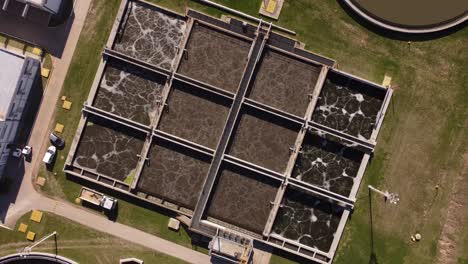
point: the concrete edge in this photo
(422, 30)
(36, 256)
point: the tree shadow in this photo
(398, 35)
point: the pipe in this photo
(5, 5)
(211, 224)
(28, 249)
(25, 10)
(241, 14)
(385, 194)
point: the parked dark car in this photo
(56, 140)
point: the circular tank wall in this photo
(415, 16)
(35, 258)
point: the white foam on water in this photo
(359, 97)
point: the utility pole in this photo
(392, 198)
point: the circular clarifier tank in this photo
(35, 258)
(412, 16)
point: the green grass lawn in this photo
(420, 144)
(275, 259)
(47, 62)
(154, 223)
(463, 257)
(16, 44)
(77, 242)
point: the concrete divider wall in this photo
(262, 36)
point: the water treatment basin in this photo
(416, 16)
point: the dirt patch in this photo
(88, 29)
(357, 37)
(448, 245)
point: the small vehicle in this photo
(27, 150)
(49, 155)
(56, 140)
(16, 153)
(108, 204)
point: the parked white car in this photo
(49, 155)
(27, 150)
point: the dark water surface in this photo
(109, 148)
(307, 220)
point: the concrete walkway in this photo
(26, 194)
(23, 197)
(99, 222)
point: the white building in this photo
(18, 75)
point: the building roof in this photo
(10, 71)
(52, 6)
(37, 2)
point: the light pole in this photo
(28, 250)
(392, 198)
(389, 197)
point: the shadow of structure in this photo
(398, 35)
(9, 190)
(373, 256)
(292, 257)
(52, 39)
(63, 15)
(16, 168)
(30, 114)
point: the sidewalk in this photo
(133, 235)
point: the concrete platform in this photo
(271, 8)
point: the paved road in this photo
(23, 196)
